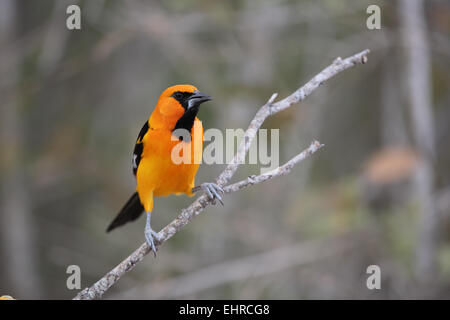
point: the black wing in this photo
(139, 147)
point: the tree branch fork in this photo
(271, 107)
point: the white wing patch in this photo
(134, 161)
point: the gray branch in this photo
(100, 287)
(280, 171)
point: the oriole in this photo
(155, 171)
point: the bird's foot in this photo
(150, 237)
(213, 191)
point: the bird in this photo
(172, 123)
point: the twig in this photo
(100, 287)
(271, 108)
(280, 171)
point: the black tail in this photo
(130, 212)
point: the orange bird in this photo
(157, 168)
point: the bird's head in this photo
(177, 107)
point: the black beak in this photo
(198, 98)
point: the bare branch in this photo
(280, 171)
(271, 108)
(100, 287)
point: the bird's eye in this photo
(177, 95)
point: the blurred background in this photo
(73, 102)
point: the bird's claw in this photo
(150, 237)
(213, 191)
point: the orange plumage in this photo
(157, 172)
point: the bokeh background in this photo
(73, 102)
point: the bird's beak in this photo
(198, 98)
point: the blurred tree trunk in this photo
(16, 227)
(417, 81)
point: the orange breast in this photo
(158, 175)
